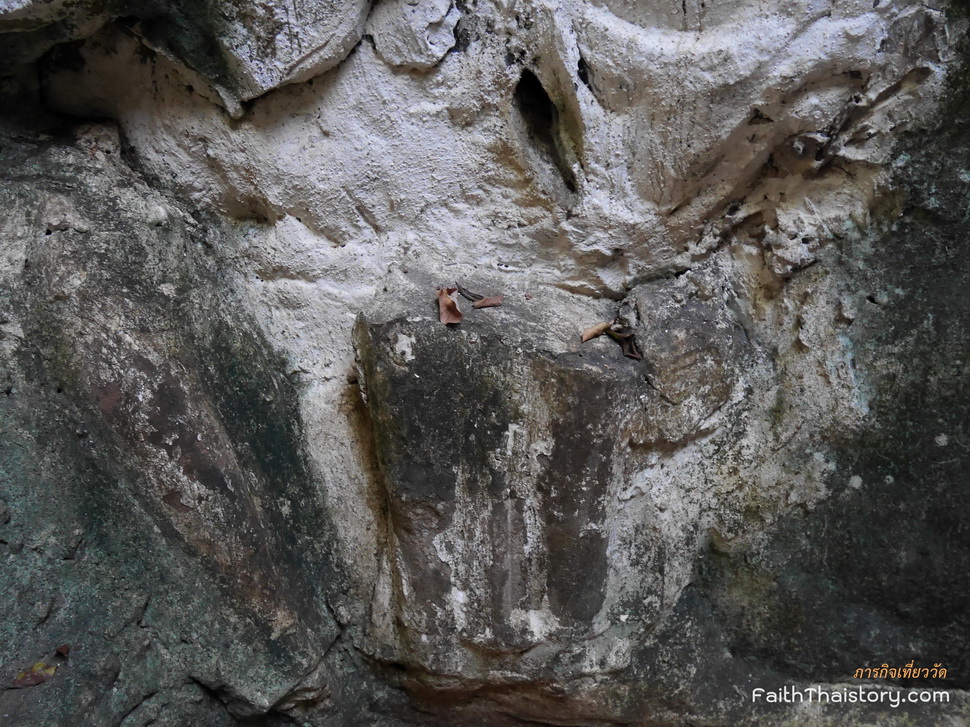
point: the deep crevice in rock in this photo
(542, 121)
(582, 71)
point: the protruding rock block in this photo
(504, 457)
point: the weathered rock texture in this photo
(249, 478)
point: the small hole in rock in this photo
(582, 70)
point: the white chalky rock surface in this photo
(271, 44)
(569, 155)
(413, 34)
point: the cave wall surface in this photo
(247, 477)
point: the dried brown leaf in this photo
(494, 302)
(629, 348)
(37, 674)
(64, 650)
(448, 311)
(174, 500)
(628, 345)
(593, 331)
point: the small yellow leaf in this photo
(37, 674)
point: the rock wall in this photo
(248, 477)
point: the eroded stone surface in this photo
(234, 51)
(162, 519)
(515, 525)
(413, 35)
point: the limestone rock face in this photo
(159, 516)
(412, 34)
(249, 477)
(508, 449)
(233, 50)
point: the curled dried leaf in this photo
(448, 311)
(37, 674)
(593, 331)
(494, 302)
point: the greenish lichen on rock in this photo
(162, 518)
